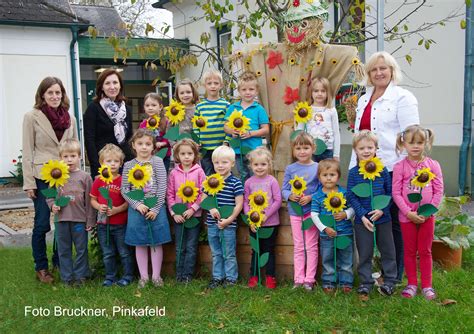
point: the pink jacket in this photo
(270, 185)
(403, 172)
(176, 178)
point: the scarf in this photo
(117, 114)
(59, 119)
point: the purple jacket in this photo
(269, 185)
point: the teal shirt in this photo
(213, 111)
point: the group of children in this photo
(131, 223)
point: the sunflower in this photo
(213, 184)
(188, 192)
(316, 43)
(237, 121)
(371, 168)
(318, 63)
(302, 79)
(302, 112)
(355, 61)
(153, 122)
(55, 172)
(334, 61)
(248, 61)
(105, 174)
(258, 200)
(298, 185)
(423, 177)
(274, 79)
(334, 202)
(175, 112)
(292, 61)
(199, 122)
(255, 217)
(139, 176)
(239, 54)
(258, 73)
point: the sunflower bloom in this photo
(153, 122)
(105, 174)
(302, 112)
(237, 121)
(423, 177)
(55, 172)
(199, 122)
(258, 200)
(298, 185)
(255, 218)
(213, 184)
(370, 169)
(139, 176)
(175, 112)
(334, 202)
(188, 192)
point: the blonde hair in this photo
(329, 164)
(185, 82)
(364, 134)
(186, 142)
(140, 133)
(411, 133)
(245, 78)
(389, 61)
(111, 149)
(70, 145)
(223, 152)
(212, 73)
(327, 86)
(263, 153)
(302, 138)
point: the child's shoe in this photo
(386, 290)
(270, 282)
(363, 292)
(409, 291)
(186, 280)
(253, 282)
(346, 289)
(308, 286)
(328, 290)
(297, 286)
(157, 282)
(108, 283)
(215, 283)
(429, 293)
(123, 282)
(80, 282)
(142, 283)
(228, 283)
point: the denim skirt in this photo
(145, 232)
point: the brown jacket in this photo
(40, 144)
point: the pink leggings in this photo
(417, 239)
(305, 272)
(156, 252)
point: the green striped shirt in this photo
(214, 112)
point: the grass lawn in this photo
(239, 309)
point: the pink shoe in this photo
(409, 291)
(429, 293)
(253, 282)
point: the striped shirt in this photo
(156, 187)
(232, 188)
(214, 112)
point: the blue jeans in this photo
(206, 163)
(325, 155)
(116, 246)
(224, 261)
(189, 246)
(69, 233)
(243, 167)
(343, 264)
(40, 228)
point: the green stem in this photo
(335, 263)
(241, 161)
(151, 234)
(304, 239)
(419, 202)
(372, 207)
(108, 230)
(181, 243)
(221, 234)
(56, 220)
(258, 258)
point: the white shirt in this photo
(391, 114)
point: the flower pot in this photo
(445, 256)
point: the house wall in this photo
(27, 55)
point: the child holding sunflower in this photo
(329, 200)
(147, 227)
(370, 170)
(184, 185)
(263, 184)
(186, 94)
(420, 176)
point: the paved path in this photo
(14, 198)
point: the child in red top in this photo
(411, 176)
(112, 222)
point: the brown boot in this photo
(44, 276)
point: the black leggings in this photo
(266, 245)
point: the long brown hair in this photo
(44, 86)
(157, 97)
(99, 92)
(185, 82)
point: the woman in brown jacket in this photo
(44, 128)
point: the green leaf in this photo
(320, 146)
(104, 192)
(244, 218)
(427, 210)
(307, 224)
(195, 137)
(296, 207)
(208, 203)
(253, 243)
(162, 153)
(468, 3)
(294, 134)
(409, 59)
(184, 135)
(361, 190)
(342, 242)
(191, 222)
(202, 151)
(414, 197)
(150, 201)
(172, 133)
(50, 192)
(263, 259)
(380, 202)
(264, 233)
(245, 150)
(328, 220)
(226, 211)
(136, 195)
(463, 24)
(179, 208)
(62, 201)
(234, 142)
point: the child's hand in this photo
(340, 216)
(415, 218)
(89, 228)
(222, 223)
(305, 200)
(245, 135)
(375, 215)
(188, 213)
(111, 212)
(235, 133)
(178, 219)
(253, 229)
(55, 209)
(142, 208)
(160, 145)
(150, 215)
(103, 208)
(215, 213)
(330, 232)
(368, 225)
(294, 198)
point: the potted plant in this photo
(454, 230)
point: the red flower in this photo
(296, 3)
(274, 59)
(291, 95)
(14, 161)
